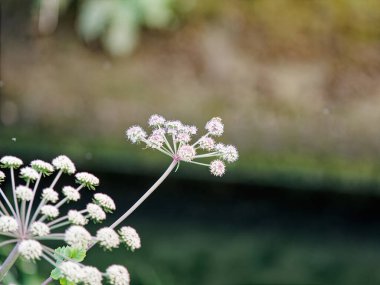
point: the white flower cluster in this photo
(173, 139)
(50, 195)
(105, 202)
(78, 236)
(30, 249)
(8, 224)
(24, 193)
(107, 238)
(28, 173)
(76, 218)
(64, 164)
(87, 179)
(10, 162)
(39, 229)
(130, 237)
(88, 275)
(24, 223)
(42, 166)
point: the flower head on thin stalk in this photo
(31, 225)
(173, 138)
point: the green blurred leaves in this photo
(117, 23)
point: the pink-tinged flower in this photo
(172, 127)
(186, 153)
(215, 126)
(229, 153)
(217, 168)
(156, 141)
(136, 134)
(183, 137)
(207, 143)
(156, 120)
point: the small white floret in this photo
(186, 153)
(50, 211)
(50, 195)
(78, 237)
(30, 249)
(118, 275)
(229, 153)
(155, 140)
(172, 127)
(42, 166)
(71, 193)
(130, 237)
(219, 147)
(217, 168)
(87, 179)
(39, 229)
(10, 161)
(107, 238)
(8, 224)
(29, 173)
(91, 276)
(215, 126)
(207, 143)
(192, 130)
(24, 193)
(64, 163)
(183, 137)
(156, 120)
(95, 212)
(135, 134)
(76, 218)
(105, 202)
(71, 271)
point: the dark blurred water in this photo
(199, 232)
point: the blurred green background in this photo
(297, 83)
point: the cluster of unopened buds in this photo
(29, 224)
(173, 138)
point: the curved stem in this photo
(146, 195)
(8, 263)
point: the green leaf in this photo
(63, 253)
(94, 17)
(78, 254)
(56, 273)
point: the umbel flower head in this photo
(173, 138)
(29, 217)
